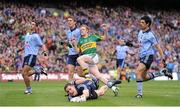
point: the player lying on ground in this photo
(83, 90)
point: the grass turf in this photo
(51, 93)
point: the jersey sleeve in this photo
(78, 44)
(127, 49)
(97, 37)
(78, 35)
(152, 38)
(38, 40)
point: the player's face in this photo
(121, 42)
(71, 22)
(84, 31)
(33, 25)
(143, 25)
(71, 90)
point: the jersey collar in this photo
(73, 29)
(147, 30)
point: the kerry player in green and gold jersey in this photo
(89, 58)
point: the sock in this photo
(139, 87)
(151, 75)
(155, 74)
(109, 84)
(85, 71)
(29, 88)
(37, 69)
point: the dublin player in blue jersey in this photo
(73, 33)
(121, 52)
(147, 44)
(32, 44)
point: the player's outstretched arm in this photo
(81, 98)
(158, 47)
(44, 50)
(105, 29)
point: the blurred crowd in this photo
(122, 21)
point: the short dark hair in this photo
(68, 84)
(147, 19)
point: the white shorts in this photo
(94, 57)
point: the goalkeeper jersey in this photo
(87, 85)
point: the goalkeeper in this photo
(81, 92)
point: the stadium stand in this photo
(122, 19)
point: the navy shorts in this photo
(120, 63)
(72, 59)
(29, 60)
(147, 60)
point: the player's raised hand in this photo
(74, 42)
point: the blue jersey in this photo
(73, 34)
(32, 44)
(147, 41)
(121, 51)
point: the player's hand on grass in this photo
(78, 99)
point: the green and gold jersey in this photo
(88, 45)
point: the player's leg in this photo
(88, 62)
(38, 69)
(102, 90)
(110, 83)
(32, 72)
(141, 73)
(94, 70)
(120, 65)
(71, 63)
(162, 72)
(79, 70)
(152, 75)
(25, 74)
(29, 62)
(119, 73)
(84, 61)
(71, 71)
(139, 78)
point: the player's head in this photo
(70, 89)
(84, 29)
(71, 21)
(32, 26)
(145, 22)
(121, 41)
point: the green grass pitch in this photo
(51, 93)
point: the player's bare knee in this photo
(79, 59)
(24, 73)
(101, 92)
